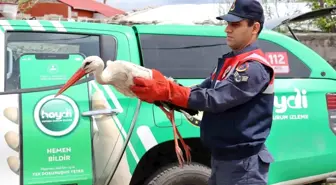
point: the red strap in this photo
(259, 57)
(233, 62)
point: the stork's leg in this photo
(178, 150)
(185, 147)
(179, 153)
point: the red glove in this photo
(160, 89)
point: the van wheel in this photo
(192, 174)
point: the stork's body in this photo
(120, 75)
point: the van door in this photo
(71, 159)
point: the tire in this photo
(192, 174)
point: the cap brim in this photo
(229, 18)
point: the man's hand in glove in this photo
(159, 88)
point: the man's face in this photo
(239, 34)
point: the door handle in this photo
(108, 112)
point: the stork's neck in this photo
(101, 76)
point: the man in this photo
(237, 100)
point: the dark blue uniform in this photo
(236, 121)
(237, 101)
(237, 116)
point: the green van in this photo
(133, 144)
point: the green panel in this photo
(55, 124)
(48, 25)
(181, 30)
(19, 25)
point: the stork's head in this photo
(91, 64)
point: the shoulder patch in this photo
(242, 67)
(240, 78)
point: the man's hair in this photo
(251, 22)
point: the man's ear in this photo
(256, 28)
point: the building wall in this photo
(98, 16)
(41, 9)
(81, 13)
(45, 8)
(322, 43)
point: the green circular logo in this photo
(56, 116)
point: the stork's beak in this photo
(75, 77)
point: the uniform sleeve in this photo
(237, 89)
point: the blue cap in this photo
(244, 9)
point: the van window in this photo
(196, 56)
(182, 56)
(286, 64)
(19, 43)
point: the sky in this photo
(135, 4)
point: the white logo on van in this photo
(56, 116)
(298, 101)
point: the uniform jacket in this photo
(237, 100)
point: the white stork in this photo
(120, 75)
